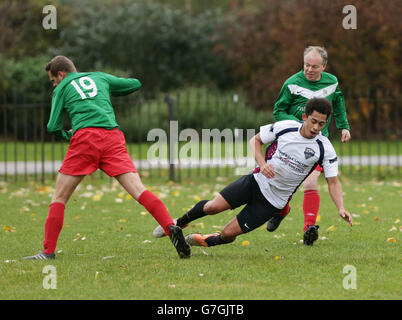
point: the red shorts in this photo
(319, 168)
(93, 148)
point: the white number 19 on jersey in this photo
(87, 84)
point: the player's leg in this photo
(65, 186)
(252, 216)
(203, 208)
(131, 181)
(117, 163)
(311, 205)
(275, 221)
(311, 201)
(228, 235)
(232, 196)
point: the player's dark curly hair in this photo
(320, 105)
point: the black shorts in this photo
(257, 211)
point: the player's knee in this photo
(227, 237)
(210, 208)
(310, 185)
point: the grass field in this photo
(106, 249)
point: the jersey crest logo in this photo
(308, 153)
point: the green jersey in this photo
(295, 92)
(86, 99)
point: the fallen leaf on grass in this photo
(331, 228)
(397, 221)
(376, 218)
(24, 209)
(10, 261)
(201, 225)
(393, 229)
(245, 243)
(42, 190)
(107, 258)
(9, 229)
(79, 237)
(391, 240)
(86, 195)
(97, 197)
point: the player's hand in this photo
(346, 216)
(268, 170)
(345, 135)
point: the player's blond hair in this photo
(60, 63)
(323, 53)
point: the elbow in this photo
(138, 84)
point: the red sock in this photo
(156, 207)
(311, 204)
(286, 209)
(53, 225)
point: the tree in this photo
(269, 44)
(162, 46)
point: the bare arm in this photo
(256, 146)
(335, 190)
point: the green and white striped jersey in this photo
(295, 92)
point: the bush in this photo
(25, 78)
(193, 108)
(163, 47)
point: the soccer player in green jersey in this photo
(311, 82)
(95, 142)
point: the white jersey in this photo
(293, 160)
